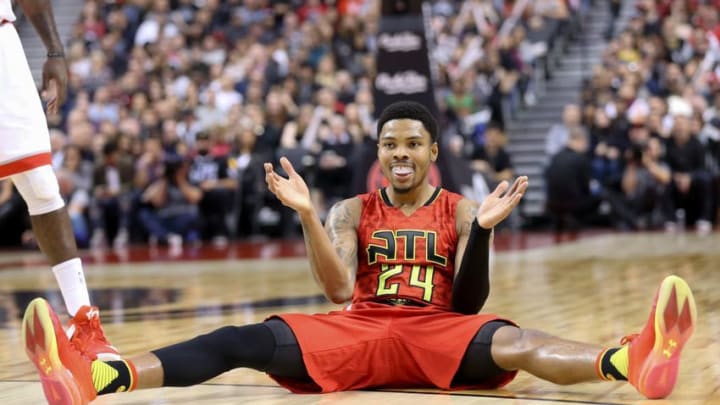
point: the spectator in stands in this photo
(79, 169)
(614, 7)
(245, 168)
(112, 196)
(209, 172)
(14, 220)
(691, 182)
(156, 25)
(99, 73)
(149, 166)
(645, 188)
(170, 212)
(77, 201)
(570, 200)
(491, 160)
(608, 163)
(558, 135)
(58, 140)
(490, 84)
(292, 140)
(333, 162)
(710, 134)
(268, 132)
(460, 101)
(102, 109)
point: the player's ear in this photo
(434, 150)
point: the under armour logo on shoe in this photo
(670, 348)
(92, 313)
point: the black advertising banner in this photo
(402, 62)
(403, 73)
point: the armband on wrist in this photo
(476, 229)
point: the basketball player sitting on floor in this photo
(413, 261)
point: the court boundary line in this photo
(453, 393)
(394, 391)
(524, 398)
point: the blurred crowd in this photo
(175, 105)
(643, 147)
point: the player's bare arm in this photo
(474, 226)
(55, 70)
(332, 271)
(341, 227)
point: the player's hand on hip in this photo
(55, 79)
(292, 192)
(499, 204)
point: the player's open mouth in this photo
(402, 172)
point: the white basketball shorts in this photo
(24, 138)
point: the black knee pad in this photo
(287, 360)
(477, 365)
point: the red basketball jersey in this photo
(407, 256)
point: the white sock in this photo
(70, 278)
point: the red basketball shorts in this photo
(377, 345)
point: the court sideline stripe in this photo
(455, 393)
(459, 394)
(467, 394)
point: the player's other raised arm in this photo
(474, 226)
(332, 254)
(472, 284)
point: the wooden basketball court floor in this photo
(596, 288)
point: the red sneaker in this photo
(64, 371)
(654, 354)
(86, 333)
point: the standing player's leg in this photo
(53, 231)
(25, 158)
(648, 360)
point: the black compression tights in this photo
(477, 365)
(271, 347)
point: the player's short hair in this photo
(409, 110)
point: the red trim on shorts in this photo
(25, 164)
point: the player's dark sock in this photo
(113, 376)
(612, 364)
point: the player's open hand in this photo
(500, 203)
(55, 79)
(292, 192)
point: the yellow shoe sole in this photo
(39, 330)
(675, 320)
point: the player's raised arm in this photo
(474, 226)
(332, 254)
(341, 228)
(471, 285)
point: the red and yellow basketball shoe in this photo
(64, 371)
(654, 353)
(86, 333)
